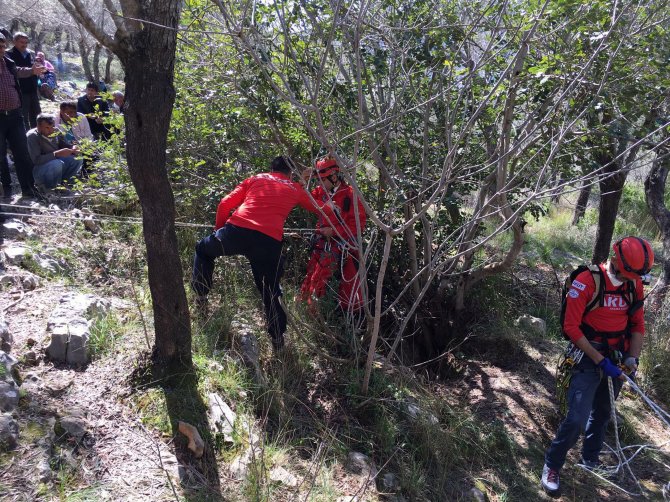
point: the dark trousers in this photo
(588, 412)
(13, 133)
(264, 255)
(31, 109)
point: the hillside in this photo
(107, 431)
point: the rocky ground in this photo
(71, 429)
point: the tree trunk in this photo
(108, 67)
(611, 185)
(149, 71)
(96, 63)
(582, 202)
(654, 189)
(85, 63)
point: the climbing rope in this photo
(623, 466)
(61, 214)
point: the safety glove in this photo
(631, 363)
(609, 368)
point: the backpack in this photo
(629, 293)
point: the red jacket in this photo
(262, 203)
(611, 317)
(344, 225)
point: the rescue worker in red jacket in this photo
(259, 206)
(609, 335)
(335, 249)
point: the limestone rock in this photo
(30, 358)
(390, 482)
(8, 371)
(31, 382)
(532, 324)
(358, 463)
(49, 265)
(73, 425)
(16, 255)
(91, 224)
(476, 495)
(415, 412)
(16, 229)
(9, 432)
(6, 338)
(221, 417)
(69, 326)
(250, 355)
(281, 475)
(9, 395)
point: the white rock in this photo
(16, 255)
(222, 418)
(281, 475)
(16, 229)
(532, 324)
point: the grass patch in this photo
(104, 333)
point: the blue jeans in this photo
(13, 133)
(588, 412)
(264, 255)
(53, 173)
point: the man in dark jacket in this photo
(24, 58)
(95, 108)
(12, 129)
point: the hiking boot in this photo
(550, 480)
(591, 464)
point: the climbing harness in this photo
(571, 357)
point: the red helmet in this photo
(326, 167)
(635, 257)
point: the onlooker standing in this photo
(95, 108)
(53, 157)
(24, 58)
(12, 130)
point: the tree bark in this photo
(654, 189)
(96, 63)
(85, 63)
(611, 185)
(108, 67)
(147, 52)
(149, 72)
(582, 202)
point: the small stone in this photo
(30, 282)
(281, 475)
(16, 255)
(9, 432)
(91, 225)
(15, 229)
(476, 495)
(9, 395)
(532, 324)
(57, 386)
(390, 482)
(73, 426)
(358, 463)
(30, 358)
(6, 338)
(48, 264)
(31, 382)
